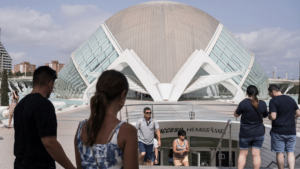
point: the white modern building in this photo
(167, 50)
(5, 59)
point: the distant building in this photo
(55, 65)
(5, 59)
(24, 67)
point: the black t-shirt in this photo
(285, 107)
(34, 118)
(251, 125)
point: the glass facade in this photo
(69, 83)
(94, 55)
(257, 77)
(231, 56)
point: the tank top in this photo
(180, 148)
(108, 155)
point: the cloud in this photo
(61, 32)
(274, 47)
(18, 55)
(73, 11)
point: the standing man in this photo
(146, 127)
(36, 145)
(283, 111)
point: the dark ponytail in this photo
(110, 85)
(252, 92)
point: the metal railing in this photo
(161, 150)
(273, 162)
(220, 146)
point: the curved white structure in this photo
(164, 58)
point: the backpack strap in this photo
(140, 123)
(153, 124)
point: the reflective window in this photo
(95, 54)
(230, 55)
(69, 83)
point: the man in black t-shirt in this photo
(36, 146)
(283, 111)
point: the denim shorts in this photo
(146, 148)
(152, 157)
(254, 142)
(282, 143)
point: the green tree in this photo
(29, 74)
(18, 73)
(4, 89)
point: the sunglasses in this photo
(147, 112)
(183, 135)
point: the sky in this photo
(40, 31)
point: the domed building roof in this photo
(163, 34)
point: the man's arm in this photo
(297, 113)
(56, 151)
(236, 115)
(156, 156)
(235, 112)
(272, 110)
(272, 115)
(158, 137)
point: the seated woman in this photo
(181, 150)
(252, 132)
(103, 141)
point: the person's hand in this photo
(158, 143)
(155, 162)
(269, 117)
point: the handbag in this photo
(260, 120)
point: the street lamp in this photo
(268, 73)
(291, 76)
(275, 72)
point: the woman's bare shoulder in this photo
(126, 127)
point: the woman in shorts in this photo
(181, 150)
(251, 129)
(11, 107)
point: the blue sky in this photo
(39, 31)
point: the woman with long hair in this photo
(103, 141)
(181, 150)
(252, 130)
(14, 101)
